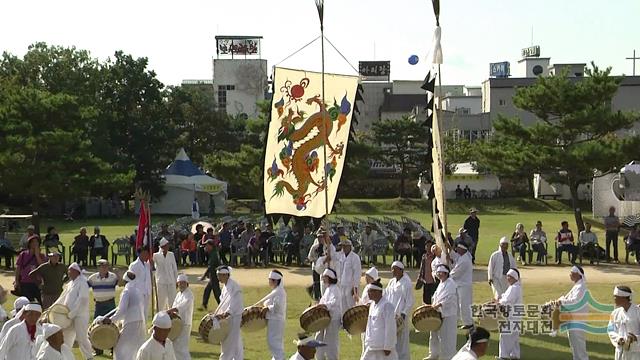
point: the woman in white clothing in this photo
(510, 338)
(332, 300)
(442, 342)
(275, 306)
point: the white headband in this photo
(224, 270)
(621, 293)
(33, 307)
(481, 341)
(513, 274)
(442, 268)
(576, 270)
(375, 287)
(275, 276)
(330, 273)
(398, 264)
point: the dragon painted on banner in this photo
(296, 157)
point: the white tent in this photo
(184, 181)
(544, 190)
(481, 185)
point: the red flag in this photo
(143, 224)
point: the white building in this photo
(240, 76)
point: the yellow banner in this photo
(211, 188)
(466, 177)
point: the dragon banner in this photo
(295, 175)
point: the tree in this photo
(243, 169)
(402, 144)
(456, 151)
(577, 131)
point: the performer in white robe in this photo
(442, 342)
(142, 269)
(576, 336)
(275, 304)
(159, 346)
(20, 342)
(183, 306)
(166, 274)
(16, 314)
(476, 346)
(462, 274)
(76, 298)
(307, 346)
(510, 338)
(332, 300)
(349, 281)
(370, 276)
(498, 267)
(624, 325)
(131, 311)
(53, 347)
(399, 293)
(380, 336)
(230, 306)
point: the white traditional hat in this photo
(50, 329)
(504, 240)
(164, 242)
(33, 307)
(182, 277)
(373, 272)
(162, 320)
(330, 273)
(76, 267)
(514, 274)
(103, 262)
(397, 264)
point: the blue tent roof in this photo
(183, 166)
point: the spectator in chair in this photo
(80, 247)
(459, 192)
(612, 227)
(6, 248)
(188, 250)
(402, 246)
(367, 239)
(520, 243)
(589, 242)
(538, 240)
(565, 241)
(52, 239)
(99, 246)
(633, 241)
(24, 240)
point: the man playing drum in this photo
(159, 346)
(131, 311)
(103, 283)
(349, 281)
(510, 337)
(624, 325)
(380, 337)
(275, 306)
(442, 342)
(76, 299)
(332, 301)
(230, 307)
(53, 347)
(577, 339)
(183, 306)
(462, 274)
(399, 293)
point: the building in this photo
(240, 76)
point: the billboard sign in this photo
(531, 51)
(500, 69)
(375, 70)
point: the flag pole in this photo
(154, 291)
(320, 7)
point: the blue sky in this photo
(178, 36)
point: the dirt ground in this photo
(295, 276)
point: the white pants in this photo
(509, 345)
(465, 299)
(147, 305)
(79, 331)
(231, 348)
(442, 343)
(131, 338)
(578, 345)
(347, 299)
(166, 295)
(275, 338)
(378, 355)
(402, 344)
(499, 286)
(626, 355)
(181, 343)
(330, 337)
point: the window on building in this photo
(222, 95)
(501, 102)
(463, 111)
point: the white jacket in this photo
(623, 323)
(153, 350)
(276, 302)
(166, 268)
(575, 296)
(512, 297)
(400, 294)
(48, 353)
(17, 345)
(143, 276)
(230, 299)
(131, 306)
(381, 326)
(496, 261)
(76, 297)
(462, 272)
(332, 299)
(446, 295)
(184, 303)
(351, 271)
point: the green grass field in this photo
(498, 219)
